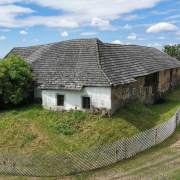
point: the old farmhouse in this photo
(89, 75)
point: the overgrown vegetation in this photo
(15, 78)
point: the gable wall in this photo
(100, 99)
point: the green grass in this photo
(34, 130)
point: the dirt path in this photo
(145, 167)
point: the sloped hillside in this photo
(32, 129)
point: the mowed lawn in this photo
(34, 130)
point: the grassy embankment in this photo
(32, 129)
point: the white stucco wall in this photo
(100, 98)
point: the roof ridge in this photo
(99, 61)
(58, 42)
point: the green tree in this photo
(15, 79)
(172, 50)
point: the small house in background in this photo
(89, 75)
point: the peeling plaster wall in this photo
(164, 80)
(100, 99)
(132, 91)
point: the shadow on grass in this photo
(138, 115)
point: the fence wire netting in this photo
(84, 160)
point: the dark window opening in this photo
(151, 79)
(86, 102)
(60, 100)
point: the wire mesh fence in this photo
(84, 160)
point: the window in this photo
(176, 69)
(60, 100)
(86, 102)
(148, 79)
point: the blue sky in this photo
(144, 22)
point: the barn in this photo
(89, 75)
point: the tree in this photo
(15, 79)
(172, 50)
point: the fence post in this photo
(155, 137)
(125, 150)
(116, 152)
(69, 163)
(177, 118)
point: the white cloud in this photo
(160, 27)
(132, 36)
(10, 12)
(3, 38)
(161, 38)
(155, 45)
(35, 40)
(127, 26)
(73, 13)
(132, 17)
(4, 30)
(141, 39)
(117, 42)
(102, 24)
(24, 40)
(178, 32)
(8, 1)
(64, 34)
(101, 8)
(63, 23)
(88, 33)
(23, 32)
(173, 17)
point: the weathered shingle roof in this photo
(122, 63)
(76, 63)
